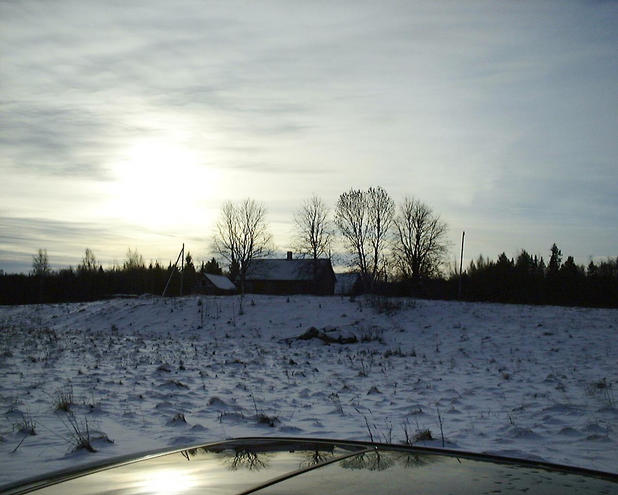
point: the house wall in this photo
(323, 286)
(206, 287)
(347, 289)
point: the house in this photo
(348, 284)
(216, 284)
(290, 276)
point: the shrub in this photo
(602, 390)
(382, 304)
(422, 435)
(263, 419)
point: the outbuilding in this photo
(348, 284)
(217, 285)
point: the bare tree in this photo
(313, 229)
(365, 220)
(134, 260)
(351, 219)
(242, 235)
(381, 209)
(40, 263)
(89, 262)
(421, 244)
(227, 236)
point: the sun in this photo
(159, 184)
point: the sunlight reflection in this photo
(168, 481)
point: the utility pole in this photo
(174, 268)
(463, 235)
(182, 267)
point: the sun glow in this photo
(168, 481)
(160, 184)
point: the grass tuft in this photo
(79, 435)
(63, 400)
(26, 425)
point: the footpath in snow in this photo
(136, 374)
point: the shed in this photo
(348, 284)
(217, 284)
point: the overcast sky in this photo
(127, 124)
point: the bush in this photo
(422, 435)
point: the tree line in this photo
(397, 249)
(528, 279)
(89, 281)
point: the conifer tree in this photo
(554, 261)
(211, 267)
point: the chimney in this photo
(289, 255)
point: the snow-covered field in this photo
(535, 382)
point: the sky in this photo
(128, 124)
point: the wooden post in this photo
(463, 235)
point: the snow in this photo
(145, 373)
(220, 282)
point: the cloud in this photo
(50, 140)
(505, 111)
(65, 241)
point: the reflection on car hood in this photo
(303, 466)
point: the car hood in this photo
(303, 466)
